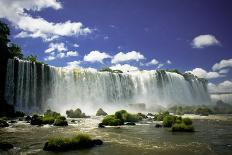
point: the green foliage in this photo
(75, 114)
(60, 122)
(62, 144)
(31, 58)
(204, 111)
(3, 123)
(111, 120)
(169, 120)
(160, 116)
(187, 121)
(36, 120)
(101, 112)
(52, 113)
(120, 117)
(15, 51)
(107, 69)
(4, 32)
(182, 127)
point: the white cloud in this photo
(202, 41)
(159, 66)
(121, 57)
(60, 55)
(15, 12)
(56, 46)
(168, 62)
(76, 45)
(225, 86)
(73, 64)
(124, 68)
(224, 71)
(106, 38)
(49, 58)
(96, 56)
(152, 62)
(222, 64)
(201, 73)
(72, 53)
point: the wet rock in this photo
(12, 121)
(158, 126)
(5, 146)
(100, 125)
(28, 119)
(97, 142)
(130, 123)
(3, 123)
(73, 121)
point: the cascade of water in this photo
(34, 87)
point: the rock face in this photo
(3, 123)
(5, 146)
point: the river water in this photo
(213, 136)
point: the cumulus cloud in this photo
(58, 50)
(168, 62)
(124, 68)
(160, 66)
(152, 62)
(60, 47)
(16, 12)
(72, 53)
(202, 41)
(225, 86)
(76, 45)
(96, 56)
(73, 64)
(49, 58)
(122, 57)
(201, 73)
(222, 64)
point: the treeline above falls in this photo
(32, 86)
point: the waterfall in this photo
(35, 87)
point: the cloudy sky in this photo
(188, 35)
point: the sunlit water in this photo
(213, 136)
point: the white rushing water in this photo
(35, 87)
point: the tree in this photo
(32, 58)
(15, 51)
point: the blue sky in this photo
(188, 35)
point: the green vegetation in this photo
(3, 123)
(111, 120)
(204, 111)
(222, 108)
(120, 117)
(101, 112)
(80, 141)
(107, 69)
(160, 116)
(60, 121)
(175, 122)
(75, 114)
(181, 127)
(50, 117)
